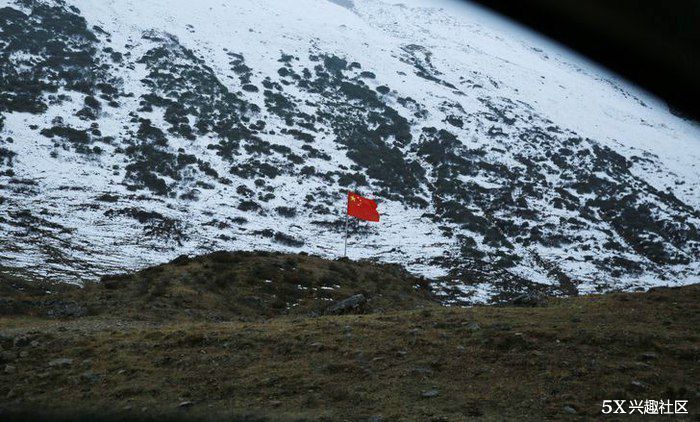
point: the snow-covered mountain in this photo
(135, 131)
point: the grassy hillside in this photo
(132, 348)
(228, 285)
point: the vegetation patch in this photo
(212, 337)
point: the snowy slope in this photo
(133, 132)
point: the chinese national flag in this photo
(362, 208)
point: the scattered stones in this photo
(9, 369)
(422, 370)
(61, 363)
(353, 303)
(570, 410)
(64, 309)
(23, 354)
(34, 343)
(473, 326)
(428, 394)
(638, 385)
(21, 341)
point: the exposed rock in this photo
(428, 394)
(638, 385)
(473, 326)
(185, 404)
(9, 369)
(529, 299)
(61, 363)
(570, 410)
(352, 304)
(21, 341)
(64, 309)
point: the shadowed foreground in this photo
(161, 356)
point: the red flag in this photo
(362, 208)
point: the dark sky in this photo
(654, 44)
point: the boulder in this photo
(529, 299)
(352, 304)
(570, 410)
(61, 362)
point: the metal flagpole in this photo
(345, 253)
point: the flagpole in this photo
(345, 253)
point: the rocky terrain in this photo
(134, 132)
(241, 336)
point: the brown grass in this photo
(488, 363)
